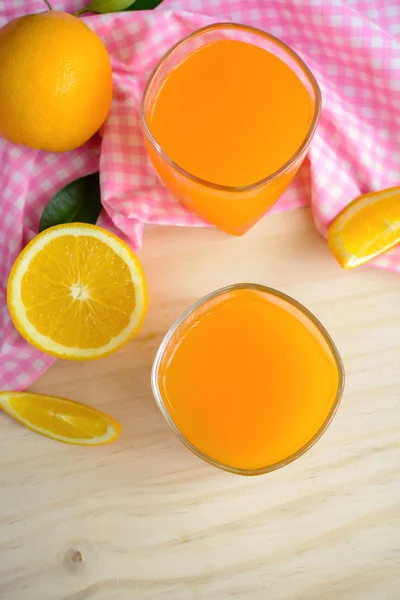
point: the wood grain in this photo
(144, 518)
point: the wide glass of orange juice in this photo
(248, 379)
(228, 115)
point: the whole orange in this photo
(55, 81)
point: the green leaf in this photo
(144, 4)
(108, 6)
(77, 202)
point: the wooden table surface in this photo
(143, 518)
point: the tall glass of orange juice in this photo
(248, 379)
(228, 115)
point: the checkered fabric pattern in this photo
(353, 49)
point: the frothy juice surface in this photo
(248, 379)
(231, 113)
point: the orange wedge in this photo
(367, 227)
(60, 419)
(77, 292)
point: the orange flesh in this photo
(72, 263)
(367, 227)
(231, 113)
(249, 379)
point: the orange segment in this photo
(367, 227)
(77, 292)
(60, 419)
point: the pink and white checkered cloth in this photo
(353, 49)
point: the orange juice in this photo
(230, 114)
(249, 379)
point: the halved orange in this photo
(365, 228)
(77, 292)
(61, 419)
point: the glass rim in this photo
(274, 40)
(307, 313)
